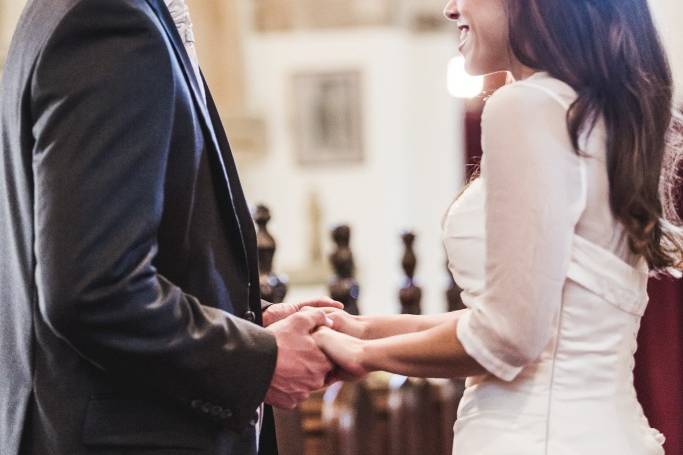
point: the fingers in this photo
(330, 310)
(324, 339)
(321, 336)
(324, 302)
(320, 365)
(272, 315)
(338, 318)
(322, 332)
(302, 366)
(327, 310)
(312, 319)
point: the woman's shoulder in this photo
(535, 97)
(521, 120)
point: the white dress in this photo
(555, 297)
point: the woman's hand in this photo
(280, 311)
(343, 350)
(376, 327)
(348, 324)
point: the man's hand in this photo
(280, 311)
(301, 366)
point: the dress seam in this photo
(582, 171)
(552, 378)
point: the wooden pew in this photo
(444, 397)
(350, 420)
(384, 414)
(313, 425)
(406, 416)
(290, 432)
(421, 414)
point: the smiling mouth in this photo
(464, 35)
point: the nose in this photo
(451, 11)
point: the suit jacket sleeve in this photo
(102, 104)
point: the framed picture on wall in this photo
(327, 115)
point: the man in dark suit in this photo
(129, 301)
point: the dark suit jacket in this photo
(129, 301)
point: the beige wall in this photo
(9, 14)
(218, 31)
(393, 188)
(669, 15)
(413, 155)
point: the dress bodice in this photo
(575, 394)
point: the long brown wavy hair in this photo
(609, 51)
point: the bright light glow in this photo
(461, 84)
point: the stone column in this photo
(218, 32)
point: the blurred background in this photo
(359, 112)
(339, 111)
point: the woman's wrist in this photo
(366, 353)
(364, 325)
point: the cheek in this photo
(490, 47)
(495, 42)
(481, 52)
(498, 28)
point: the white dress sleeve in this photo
(534, 189)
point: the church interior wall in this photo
(411, 130)
(669, 17)
(411, 169)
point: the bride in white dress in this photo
(554, 242)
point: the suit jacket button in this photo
(250, 316)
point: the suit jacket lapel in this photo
(179, 47)
(201, 105)
(241, 206)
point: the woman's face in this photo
(483, 28)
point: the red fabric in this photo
(659, 362)
(472, 142)
(659, 359)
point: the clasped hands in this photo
(312, 350)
